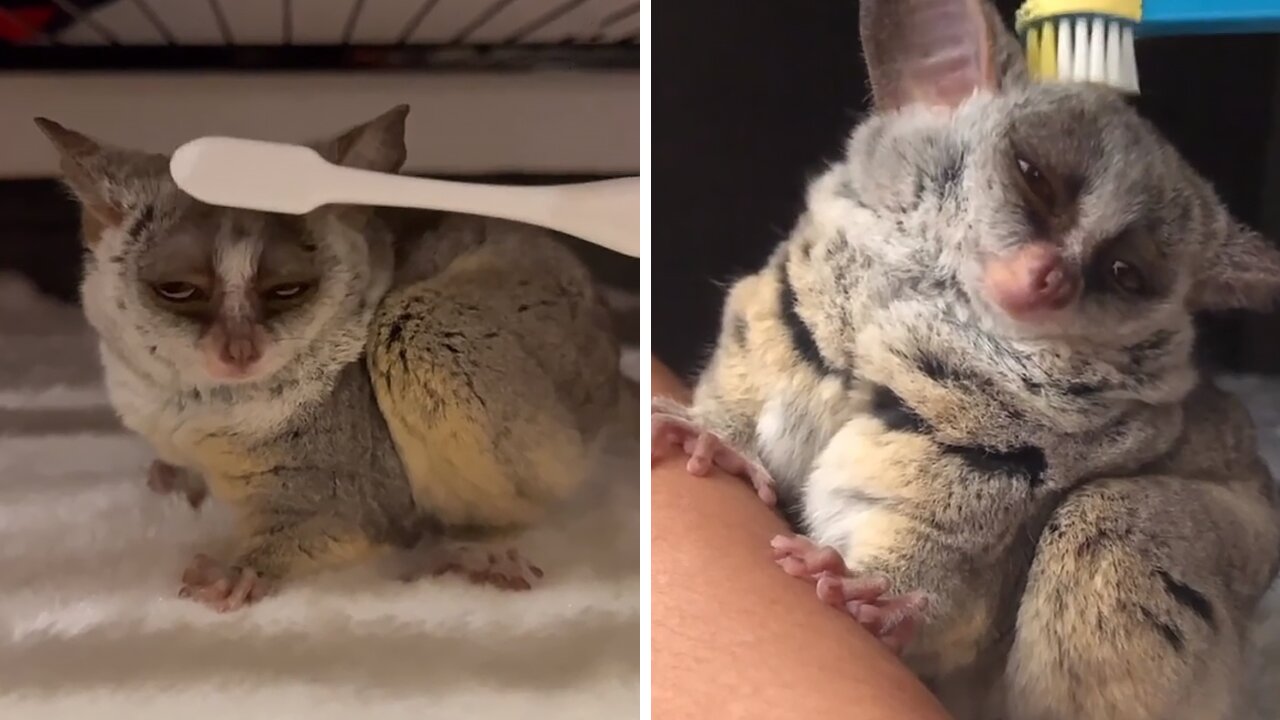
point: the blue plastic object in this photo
(1209, 17)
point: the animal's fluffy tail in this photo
(629, 398)
(624, 311)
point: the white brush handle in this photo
(605, 212)
(277, 177)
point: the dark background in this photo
(752, 97)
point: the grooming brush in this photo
(1093, 40)
(292, 179)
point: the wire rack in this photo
(318, 34)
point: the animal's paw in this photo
(803, 558)
(894, 619)
(672, 432)
(219, 586)
(483, 564)
(165, 479)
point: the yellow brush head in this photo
(1033, 12)
(1081, 40)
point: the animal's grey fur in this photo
(309, 448)
(310, 407)
(1087, 515)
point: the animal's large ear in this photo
(374, 145)
(111, 183)
(936, 52)
(1242, 271)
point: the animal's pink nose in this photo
(231, 349)
(1030, 279)
(239, 352)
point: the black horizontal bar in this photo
(616, 56)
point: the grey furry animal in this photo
(968, 371)
(352, 380)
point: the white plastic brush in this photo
(292, 179)
(1082, 40)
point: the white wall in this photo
(542, 122)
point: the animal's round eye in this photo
(1028, 170)
(1037, 183)
(287, 291)
(178, 291)
(1125, 276)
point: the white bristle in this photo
(1080, 51)
(1065, 59)
(1115, 75)
(1098, 51)
(1095, 49)
(1128, 61)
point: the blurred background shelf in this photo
(302, 23)
(522, 91)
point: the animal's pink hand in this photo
(894, 619)
(706, 451)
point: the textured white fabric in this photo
(91, 626)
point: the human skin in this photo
(736, 637)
